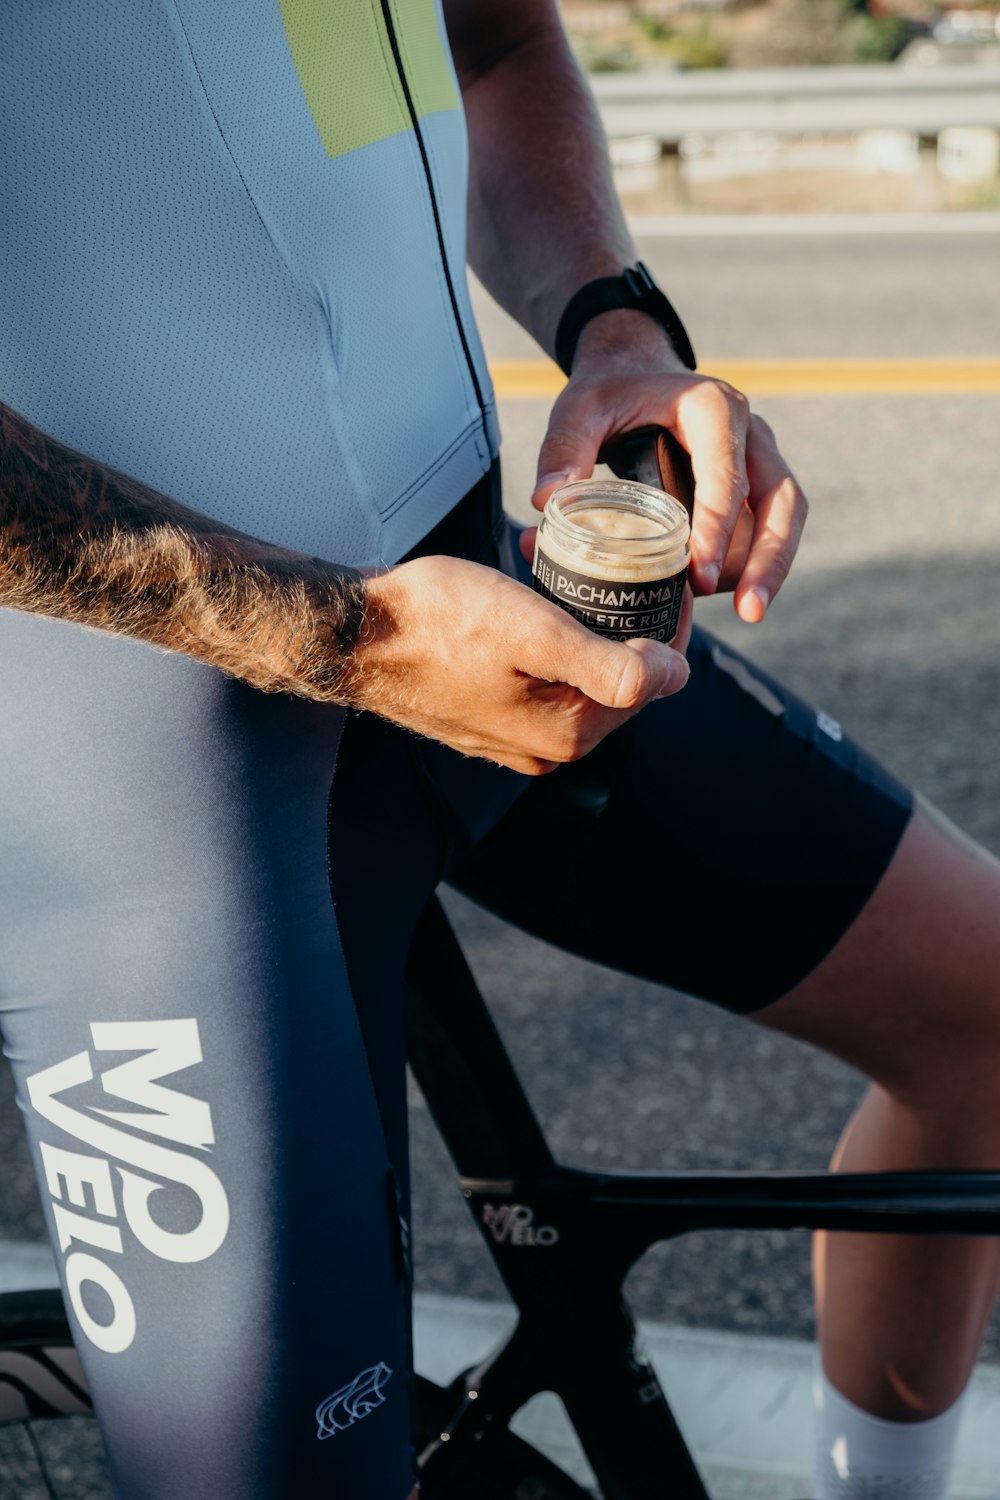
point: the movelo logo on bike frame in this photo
(80, 1181)
(515, 1223)
(353, 1401)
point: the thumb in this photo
(620, 675)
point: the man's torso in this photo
(232, 259)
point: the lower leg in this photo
(910, 997)
(900, 1320)
(900, 1316)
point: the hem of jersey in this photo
(491, 426)
(472, 432)
(457, 472)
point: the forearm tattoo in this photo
(82, 542)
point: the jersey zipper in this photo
(390, 27)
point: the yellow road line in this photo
(524, 379)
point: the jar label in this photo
(620, 609)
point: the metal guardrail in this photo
(798, 101)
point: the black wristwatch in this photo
(636, 288)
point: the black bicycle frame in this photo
(564, 1241)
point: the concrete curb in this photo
(785, 226)
(744, 1404)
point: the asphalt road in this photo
(889, 623)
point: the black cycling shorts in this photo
(732, 813)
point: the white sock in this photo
(860, 1457)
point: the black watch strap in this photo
(634, 288)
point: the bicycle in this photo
(562, 1239)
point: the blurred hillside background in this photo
(796, 105)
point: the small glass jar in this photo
(615, 555)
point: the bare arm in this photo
(442, 646)
(545, 219)
(543, 213)
(85, 543)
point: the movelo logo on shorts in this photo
(78, 1180)
(353, 1401)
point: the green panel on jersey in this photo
(428, 68)
(344, 60)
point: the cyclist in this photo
(233, 269)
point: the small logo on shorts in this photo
(352, 1401)
(829, 726)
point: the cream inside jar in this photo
(615, 555)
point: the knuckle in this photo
(559, 435)
(713, 394)
(574, 737)
(576, 407)
(714, 526)
(535, 766)
(632, 686)
(722, 395)
(797, 504)
(573, 746)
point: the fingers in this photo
(587, 685)
(476, 660)
(526, 542)
(570, 447)
(711, 421)
(569, 720)
(780, 510)
(748, 505)
(589, 413)
(622, 676)
(682, 639)
(708, 416)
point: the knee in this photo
(950, 1118)
(949, 1066)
